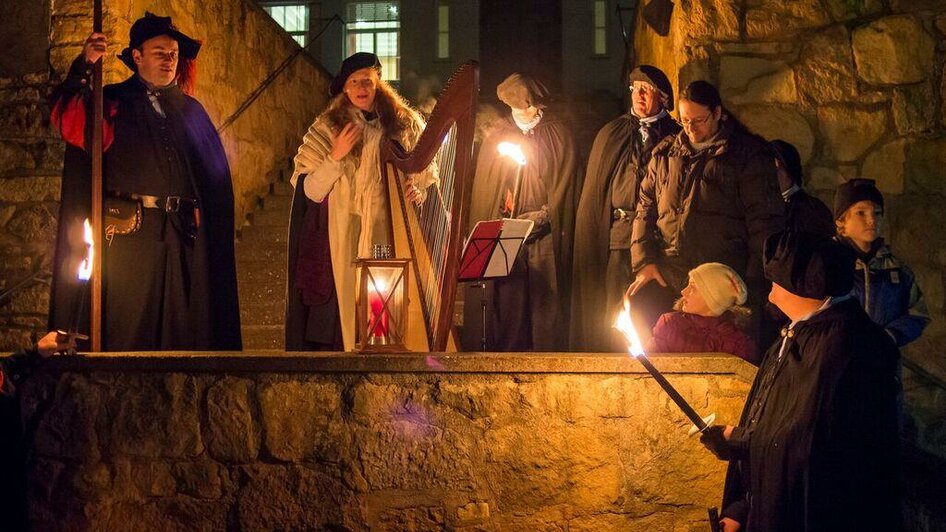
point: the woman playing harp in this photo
(342, 210)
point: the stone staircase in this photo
(261, 256)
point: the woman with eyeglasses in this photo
(710, 195)
(342, 210)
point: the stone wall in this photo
(242, 46)
(355, 442)
(858, 86)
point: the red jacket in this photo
(680, 332)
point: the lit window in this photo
(292, 16)
(373, 27)
(600, 32)
(443, 31)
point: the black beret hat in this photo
(655, 77)
(352, 64)
(853, 191)
(150, 26)
(809, 265)
(790, 156)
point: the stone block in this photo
(294, 498)
(140, 479)
(22, 189)
(848, 132)
(842, 10)
(766, 19)
(72, 427)
(780, 123)
(232, 435)
(708, 20)
(6, 214)
(821, 178)
(413, 518)
(199, 479)
(22, 119)
(300, 420)
(893, 50)
(940, 23)
(14, 157)
(157, 416)
(778, 87)
(33, 223)
(735, 72)
(472, 512)
(886, 166)
(825, 70)
(914, 108)
(926, 166)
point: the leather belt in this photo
(166, 203)
(621, 214)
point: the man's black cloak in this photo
(618, 152)
(818, 435)
(162, 290)
(551, 156)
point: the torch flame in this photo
(624, 324)
(85, 268)
(513, 151)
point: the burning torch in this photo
(636, 349)
(514, 152)
(83, 274)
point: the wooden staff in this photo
(96, 206)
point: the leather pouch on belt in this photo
(122, 216)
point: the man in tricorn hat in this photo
(616, 166)
(817, 445)
(170, 279)
(531, 304)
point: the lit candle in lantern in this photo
(514, 152)
(378, 291)
(636, 349)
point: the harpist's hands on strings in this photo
(412, 192)
(343, 141)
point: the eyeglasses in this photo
(643, 89)
(694, 121)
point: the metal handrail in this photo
(253, 96)
(37, 276)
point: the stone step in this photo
(271, 313)
(263, 337)
(258, 272)
(259, 234)
(262, 293)
(276, 218)
(272, 252)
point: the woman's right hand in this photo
(729, 525)
(95, 47)
(345, 140)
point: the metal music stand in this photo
(490, 253)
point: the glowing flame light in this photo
(624, 324)
(513, 151)
(378, 285)
(85, 268)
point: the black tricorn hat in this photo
(150, 26)
(809, 265)
(657, 78)
(352, 64)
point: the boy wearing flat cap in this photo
(816, 447)
(169, 271)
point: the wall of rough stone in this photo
(242, 46)
(858, 86)
(401, 442)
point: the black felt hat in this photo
(853, 191)
(352, 64)
(150, 26)
(657, 78)
(809, 265)
(520, 92)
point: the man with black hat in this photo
(616, 166)
(817, 446)
(169, 271)
(531, 304)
